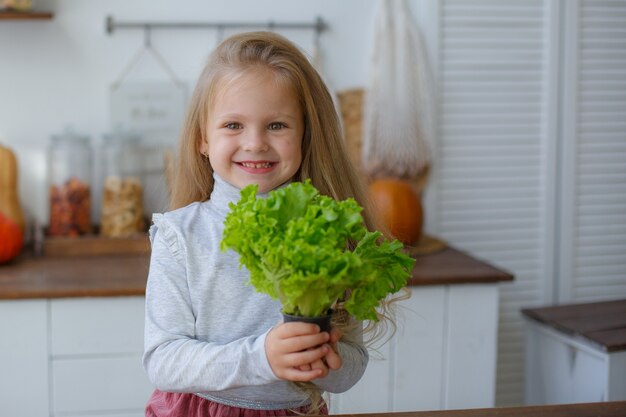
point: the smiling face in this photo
(254, 131)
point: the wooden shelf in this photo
(14, 15)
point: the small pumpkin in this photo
(11, 239)
(9, 202)
(399, 207)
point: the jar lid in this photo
(122, 135)
(69, 136)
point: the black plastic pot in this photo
(322, 321)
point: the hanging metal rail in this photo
(318, 25)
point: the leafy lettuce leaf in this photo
(295, 243)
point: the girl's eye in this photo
(275, 126)
(232, 125)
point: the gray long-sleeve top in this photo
(205, 325)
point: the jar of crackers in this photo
(122, 189)
(69, 179)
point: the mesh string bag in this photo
(397, 125)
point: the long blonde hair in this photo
(324, 156)
(325, 159)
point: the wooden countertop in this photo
(600, 409)
(452, 266)
(89, 276)
(124, 275)
(602, 323)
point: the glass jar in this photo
(122, 189)
(69, 179)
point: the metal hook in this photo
(109, 24)
(220, 33)
(147, 41)
(320, 25)
(317, 33)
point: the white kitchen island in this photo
(576, 353)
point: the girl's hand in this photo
(292, 348)
(331, 360)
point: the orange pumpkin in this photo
(11, 239)
(399, 207)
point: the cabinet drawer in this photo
(108, 325)
(100, 384)
(23, 358)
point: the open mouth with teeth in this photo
(256, 166)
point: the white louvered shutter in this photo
(496, 153)
(593, 251)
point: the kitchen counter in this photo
(125, 275)
(56, 277)
(83, 315)
(600, 409)
(601, 323)
(452, 266)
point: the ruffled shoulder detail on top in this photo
(168, 234)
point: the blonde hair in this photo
(325, 158)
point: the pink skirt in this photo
(172, 404)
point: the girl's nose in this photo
(256, 141)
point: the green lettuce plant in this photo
(308, 251)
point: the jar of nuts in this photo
(122, 189)
(69, 179)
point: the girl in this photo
(259, 114)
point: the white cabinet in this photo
(96, 346)
(443, 355)
(73, 357)
(24, 358)
(82, 356)
(564, 369)
(92, 326)
(101, 384)
(576, 353)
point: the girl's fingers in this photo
(293, 329)
(335, 335)
(296, 375)
(332, 359)
(300, 343)
(314, 370)
(305, 357)
(297, 336)
(306, 367)
(321, 365)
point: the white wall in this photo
(57, 73)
